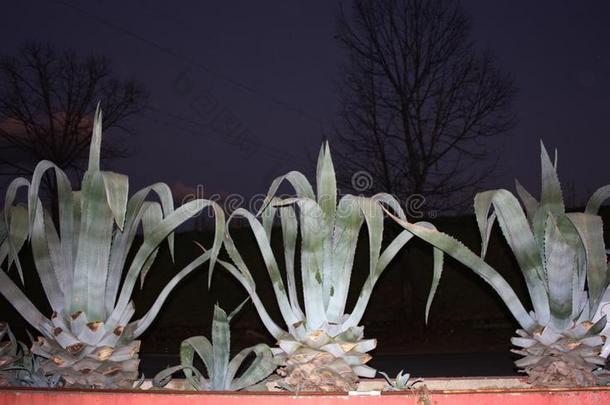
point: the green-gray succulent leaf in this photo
(348, 221)
(528, 201)
(152, 216)
(141, 325)
(237, 309)
(19, 301)
(461, 253)
(157, 235)
(245, 279)
(264, 245)
(299, 182)
(261, 367)
(560, 262)
(92, 258)
(597, 199)
(519, 236)
(221, 348)
(202, 346)
(590, 231)
(290, 230)
(196, 381)
(117, 193)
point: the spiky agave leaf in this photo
(563, 260)
(220, 369)
(603, 309)
(90, 339)
(322, 346)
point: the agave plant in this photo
(323, 346)
(402, 382)
(215, 356)
(80, 253)
(563, 260)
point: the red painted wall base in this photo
(581, 396)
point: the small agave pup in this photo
(18, 366)
(402, 382)
(89, 339)
(9, 354)
(222, 373)
(323, 347)
(563, 260)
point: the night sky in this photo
(268, 71)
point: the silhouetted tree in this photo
(47, 100)
(418, 101)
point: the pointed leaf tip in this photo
(551, 195)
(237, 309)
(96, 140)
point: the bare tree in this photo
(418, 101)
(47, 100)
